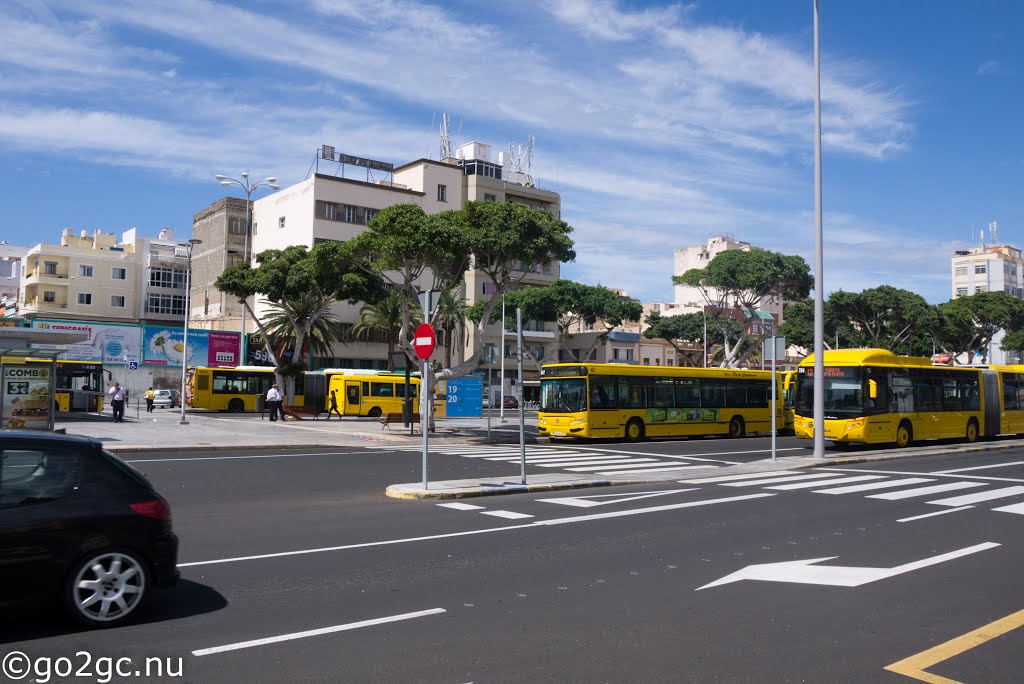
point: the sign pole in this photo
(522, 431)
(425, 414)
(774, 398)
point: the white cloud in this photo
(988, 68)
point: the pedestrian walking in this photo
(149, 396)
(116, 394)
(274, 397)
(334, 405)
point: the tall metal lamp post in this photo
(184, 339)
(249, 187)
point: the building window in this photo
(280, 222)
(980, 288)
(117, 301)
(50, 267)
(166, 304)
(236, 226)
(442, 193)
(85, 299)
(119, 273)
(961, 292)
(370, 213)
(490, 197)
(961, 271)
(254, 229)
(167, 277)
(49, 297)
(85, 271)
(979, 268)
(350, 214)
(329, 211)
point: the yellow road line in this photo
(915, 665)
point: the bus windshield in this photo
(844, 397)
(563, 395)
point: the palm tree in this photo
(307, 319)
(386, 316)
(451, 317)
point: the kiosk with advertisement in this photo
(27, 381)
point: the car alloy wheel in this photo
(106, 588)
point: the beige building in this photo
(221, 227)
(98, 278)
(326, 207)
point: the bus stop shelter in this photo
(28, 376)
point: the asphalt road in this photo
(606, 584)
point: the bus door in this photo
(353, 398)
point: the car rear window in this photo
(35, 475)
(127, 470)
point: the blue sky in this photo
(660, 124)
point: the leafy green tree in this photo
(966, 325)
(451, 318)
(689, 328)
(385, 316)
(306, 320)
(798, 327)
(1013, 340)
(884, 317)
(746, 281)
(299, 285)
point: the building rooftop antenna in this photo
(447, 144)
(993, 229)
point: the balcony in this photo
(40, 276)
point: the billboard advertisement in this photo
(108, 342)
(26, 397)
(464, 397)
(165, 347)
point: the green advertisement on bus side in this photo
(681, 415)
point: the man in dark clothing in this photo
(334, 406)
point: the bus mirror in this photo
(872, 389)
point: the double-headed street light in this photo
(184, 338)
(249, 187)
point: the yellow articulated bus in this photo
(600, 400)
(873, 396)
(360, 392)
(234, 389)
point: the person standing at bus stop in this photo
(149, 396)
(334, 405)
(274, 398)
(117, 402)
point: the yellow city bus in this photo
(80, 386)
(605, 400)
(234, 389)
(369, 393)
(873, 396)
(788, 383)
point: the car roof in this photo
(21, 438)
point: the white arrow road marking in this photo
(806, 572)
(587, 501)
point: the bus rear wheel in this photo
(374, 412)
(904, 435)
(972, 431)
(737, 428)
(634, 430)
(236, 405)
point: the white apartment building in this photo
(328, 207)
(988, 269)
(10, 277)
(98, 278)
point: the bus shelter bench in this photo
(299, 412)
(388, 418)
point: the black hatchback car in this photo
(80, 527)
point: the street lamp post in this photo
(705, 315)
(249, 187)
(184, 338)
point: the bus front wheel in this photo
(904, 435)
(737, 428)
(236, 405)
(634, 430)
(374, 412)
(972, 431)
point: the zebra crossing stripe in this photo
(553, 459)
(730, 478)
(509, 515)
(872, 485)
(651, 470)
(461, 506)
(818, 483)
(776, 480)
(625, 462)
(1012, 508)
(613, 468)
(968, 499)
(925, 491)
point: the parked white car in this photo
(164, 398)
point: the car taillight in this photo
(158, 509)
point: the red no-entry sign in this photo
(424, 341)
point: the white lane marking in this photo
(984, 467)
(234, 458)
(578, 466)
(509, 515)
(873, 485)
(565, 459)
(466, 533)
(316, 632)
(697, 457)
(776, 480)
(492, 453)
(638, 463)
(930, 515)
(588, 500)
(656, 470)
(817, 483)
(461, 506)
(966, 499)
(653, 509)
(1012, 508)
(730, 478)
(983, 478)
(925, 491)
